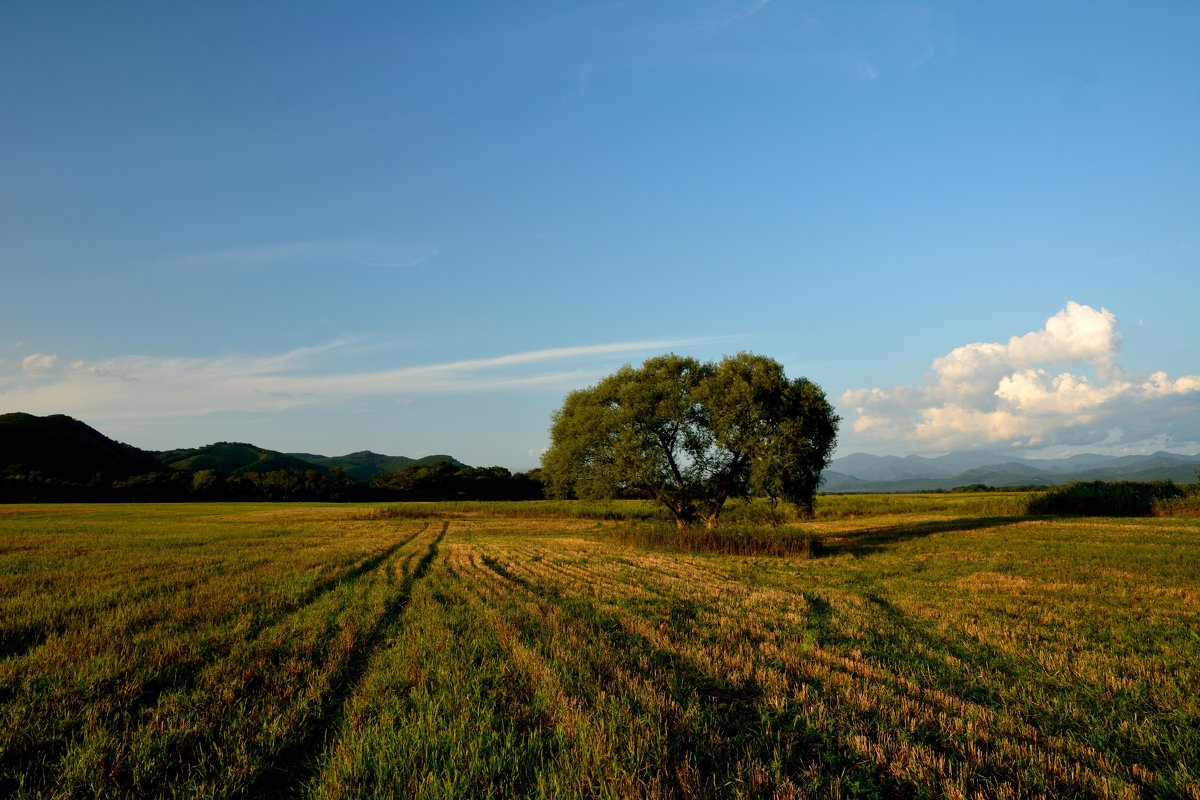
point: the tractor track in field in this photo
(20, 641)
(647, 665)
(300, 761)
(182, 676)
(17, 642)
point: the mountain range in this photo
(364, 464)
(63, 448)
(861, 472)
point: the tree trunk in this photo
(684, 513)
(714, 511)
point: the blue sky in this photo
(413, 227)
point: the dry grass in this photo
(953, 651)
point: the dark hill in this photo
(233, 458)
(364, 464)
(61, 447)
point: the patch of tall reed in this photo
(726, 539)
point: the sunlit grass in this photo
(938, 646)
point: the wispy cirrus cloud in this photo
(859, 43)
(145, 387)
(744, 12)
(1011, 393)
(368, 252)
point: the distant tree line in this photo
(442, 480)
(438, 481)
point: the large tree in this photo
(691, 435)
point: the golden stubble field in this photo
(936, 647)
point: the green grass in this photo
(935, 646)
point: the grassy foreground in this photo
(938, 646)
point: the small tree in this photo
(691, 435)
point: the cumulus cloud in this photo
(144, 387)
(1059, 385)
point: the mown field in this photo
(935, 646)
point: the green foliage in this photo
(973, 487)
(692, 435)
(447, 480)
(1186, 504)
(1105, 499)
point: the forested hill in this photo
(232, 458)
(364, 465)
(62, 447)
(57, 458)
(65, 448)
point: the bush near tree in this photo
(1106, 498)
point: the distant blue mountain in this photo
(862, 472)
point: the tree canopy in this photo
(690, 435)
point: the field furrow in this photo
(462, 650)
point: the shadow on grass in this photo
(33, 761)
(872, 540)
(299, 761)
(714, 725)
(975, 672)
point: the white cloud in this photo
(143, 387)
(992, 393)
(1077, 333)
(1159, 385)
(38, 363)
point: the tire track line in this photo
(298, 763)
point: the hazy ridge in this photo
(861, 472)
